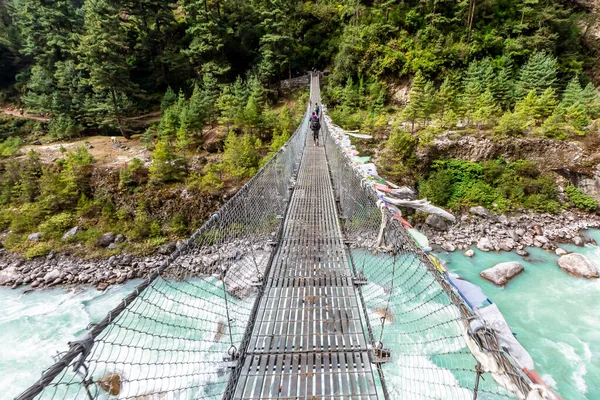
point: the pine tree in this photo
(470, 98)
(102, 54)
(503, 89)
(209, 32)
(166, 166)
(168, 99)
(527, 109)
(446, 98)
(487, 109)
(240, 156)
(577, 118)
(539, 73)
(591, 100)
(183, 134)
(553, 127)
(49, 29)
(546, 103)
(430, 101)
(572, 93)
(415, 109)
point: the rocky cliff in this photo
(575, 161)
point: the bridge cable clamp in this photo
(379, 355)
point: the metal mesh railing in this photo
(409, 308)
(172, 337)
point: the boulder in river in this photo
(449, 247)
(501, 273)
(484, 244)
(560, 252)
(578, 241)
(522, 252)
(578, 265)
(469, 253)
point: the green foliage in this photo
(64, 127)
(143, 225)
(131, 176)
(581, 200)
(168, 100)
(10, 146)
(554, 128)
(399, 154)
(38, 250)
(240, 156)
(494, 184)
(58, 224)
(166, 165)
(511, 124)
(539, 73)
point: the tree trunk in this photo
(117, 116)
(471, 18)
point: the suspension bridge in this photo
(303, 286)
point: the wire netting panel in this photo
(172, 337)
(409, 308)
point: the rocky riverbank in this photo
(512, 232)
(230, 262)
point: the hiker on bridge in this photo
(315, 126)
(317, 109)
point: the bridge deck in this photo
(308, 341)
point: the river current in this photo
(554, 315)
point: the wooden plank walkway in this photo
(308, 340)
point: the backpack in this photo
(315, 125)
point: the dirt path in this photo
(16, 113)
(102, 149)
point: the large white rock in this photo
(501, 273)
(484, 244)
(52, 276)
(449, 247)
(578, 265)
(469, 253)
(507, 244)
(541, 239)
(560, 251)
(8, 275)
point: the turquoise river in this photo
(554, 315)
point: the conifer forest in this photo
(193, 86)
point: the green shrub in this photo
(178, 225)
(438, 187)
(511, 124)
(38, 250)
(10, 146)
(58, 224)
(494, 184)
(130, 176)
(581, 200)
(27, 218)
